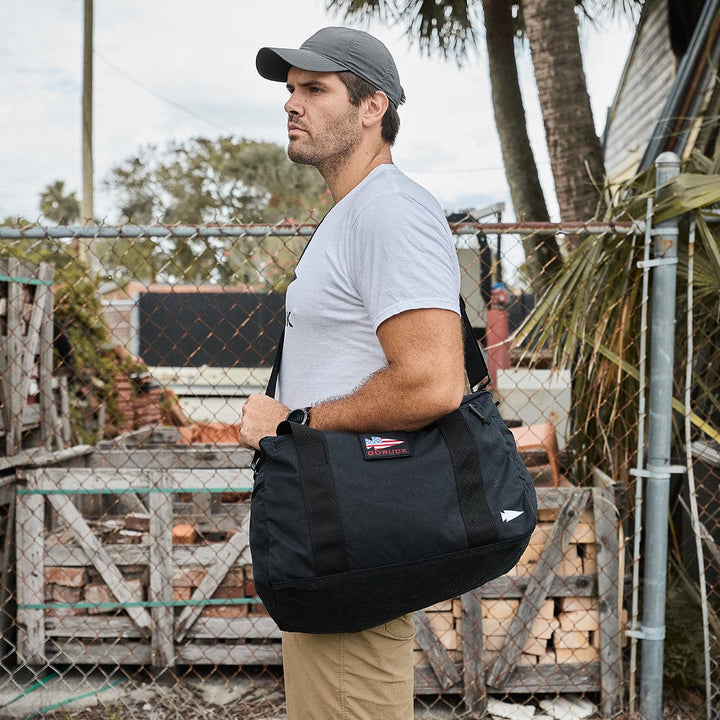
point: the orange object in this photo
(215, 433)
(183, 534)
(540, 437)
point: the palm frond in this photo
(590, 317)
(447, 26)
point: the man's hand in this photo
(260, 417)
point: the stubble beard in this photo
(329, 150)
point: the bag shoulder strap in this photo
(475, 365)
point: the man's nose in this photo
(292, 106)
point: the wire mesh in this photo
(126, 587)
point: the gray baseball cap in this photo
(334, 49)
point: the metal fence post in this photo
(658, 465)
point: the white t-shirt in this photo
(384, 248)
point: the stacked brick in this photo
(67, 586)
(566, 629)
(138, 404)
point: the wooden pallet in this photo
(27, 386)
(551, 625)
(509, 636)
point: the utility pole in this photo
(87, 212)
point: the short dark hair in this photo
(359, 90)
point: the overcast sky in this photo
(175, 69)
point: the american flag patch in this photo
(378, 447)
(374, 442)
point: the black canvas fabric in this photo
(344, 538)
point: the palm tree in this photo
(448, 27)
(552, 30)
(58, 205)
(520, 168)
(576, 155)
(541, 252)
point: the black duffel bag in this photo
(348, 531)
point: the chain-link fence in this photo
(126, 584)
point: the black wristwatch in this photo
(301, 416)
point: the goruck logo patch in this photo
(385, 446)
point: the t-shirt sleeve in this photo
(401, 256)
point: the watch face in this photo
(299, 416)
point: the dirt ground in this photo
(184, 702)
(253, 694)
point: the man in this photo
(373, 338)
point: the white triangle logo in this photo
(508, 515)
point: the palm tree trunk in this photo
(575, 151)
(520, 169)
(542, 254)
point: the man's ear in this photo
(374, 108)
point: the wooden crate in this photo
(109, 591)
(553, 624)
(31, 414)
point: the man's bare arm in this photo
(423, 380)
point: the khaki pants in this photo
(351, 676)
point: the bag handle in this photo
(322, 510)
(479, 521)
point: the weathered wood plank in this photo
(552, 498)
(244, 654)
(608, 590)
(260, 627)
(13, 383)
(225, 558)
(129, 653)
(183, 456)
(64, 427)
(137, 479)
(183, 555)
(530, 679)
(71, 652)
(553, 679)
(99, 557)
(161, 572)
(30, 577)
(7, 558)
(538, 587)
(426, 682)
(30, 418)
(475, 692)
(43, 322)
(32, 319)
(438, 657)
(91, 627)
(511, 587)
(99, 627)
(40, 457)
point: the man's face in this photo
(323, 127)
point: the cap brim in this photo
(274, 63)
